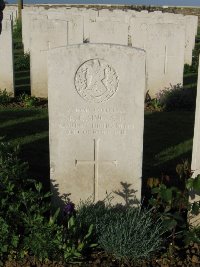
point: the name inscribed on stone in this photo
(96, 121)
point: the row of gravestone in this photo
(166, 38)
(96, 119)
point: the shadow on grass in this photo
(32, 136)
(24, 129)
(167, 141)
(17, 113)
(36, 153)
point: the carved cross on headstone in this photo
(96, 162)
(166, 58)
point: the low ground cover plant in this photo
(128, 233)
(132, 235)
(174, 206)
(28, 227)
(27, 100)
(5, 97)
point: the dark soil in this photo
(184, 257)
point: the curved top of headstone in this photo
(2, 6)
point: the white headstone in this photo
(6, 57)
(164, 44)
(196, 140)
(195, 166)
(47, 34)
(114, 15)
(96, 115)
(112, 32)
(190, 24)
(11, 9)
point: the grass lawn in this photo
(167, 139)
(29, 129)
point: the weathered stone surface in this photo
(6, 57)
(164, 44)
(195, 165)
(49, 33)
(190, 24)
(196, 140)
(96, 115)
(112, 32)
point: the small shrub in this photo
(5, 97)
(41, 238)
(89, 213)
(76, 241)
(28, 101)
(177, 97)
(190, 69)
(26, 225)
(130, 236)
(22, 62)
(172, 203)
(24, 207)
(17, 30)
(152, 104)
(8, 240)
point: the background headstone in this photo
(2, 6)
(164, 44)
(112, 32)
(96, 115)
(195, 166)
(6, 57)
(49, 33)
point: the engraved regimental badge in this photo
(96, 81)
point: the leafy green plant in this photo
(77, 238)
(42, 237)
(22, 62)
(25, 225)
(28, 101)
(75, 246)
(130, 235)
(8, 240)
(5, 97)
(17, 30)
(153, 103)
(24, 207)
(173, 204)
